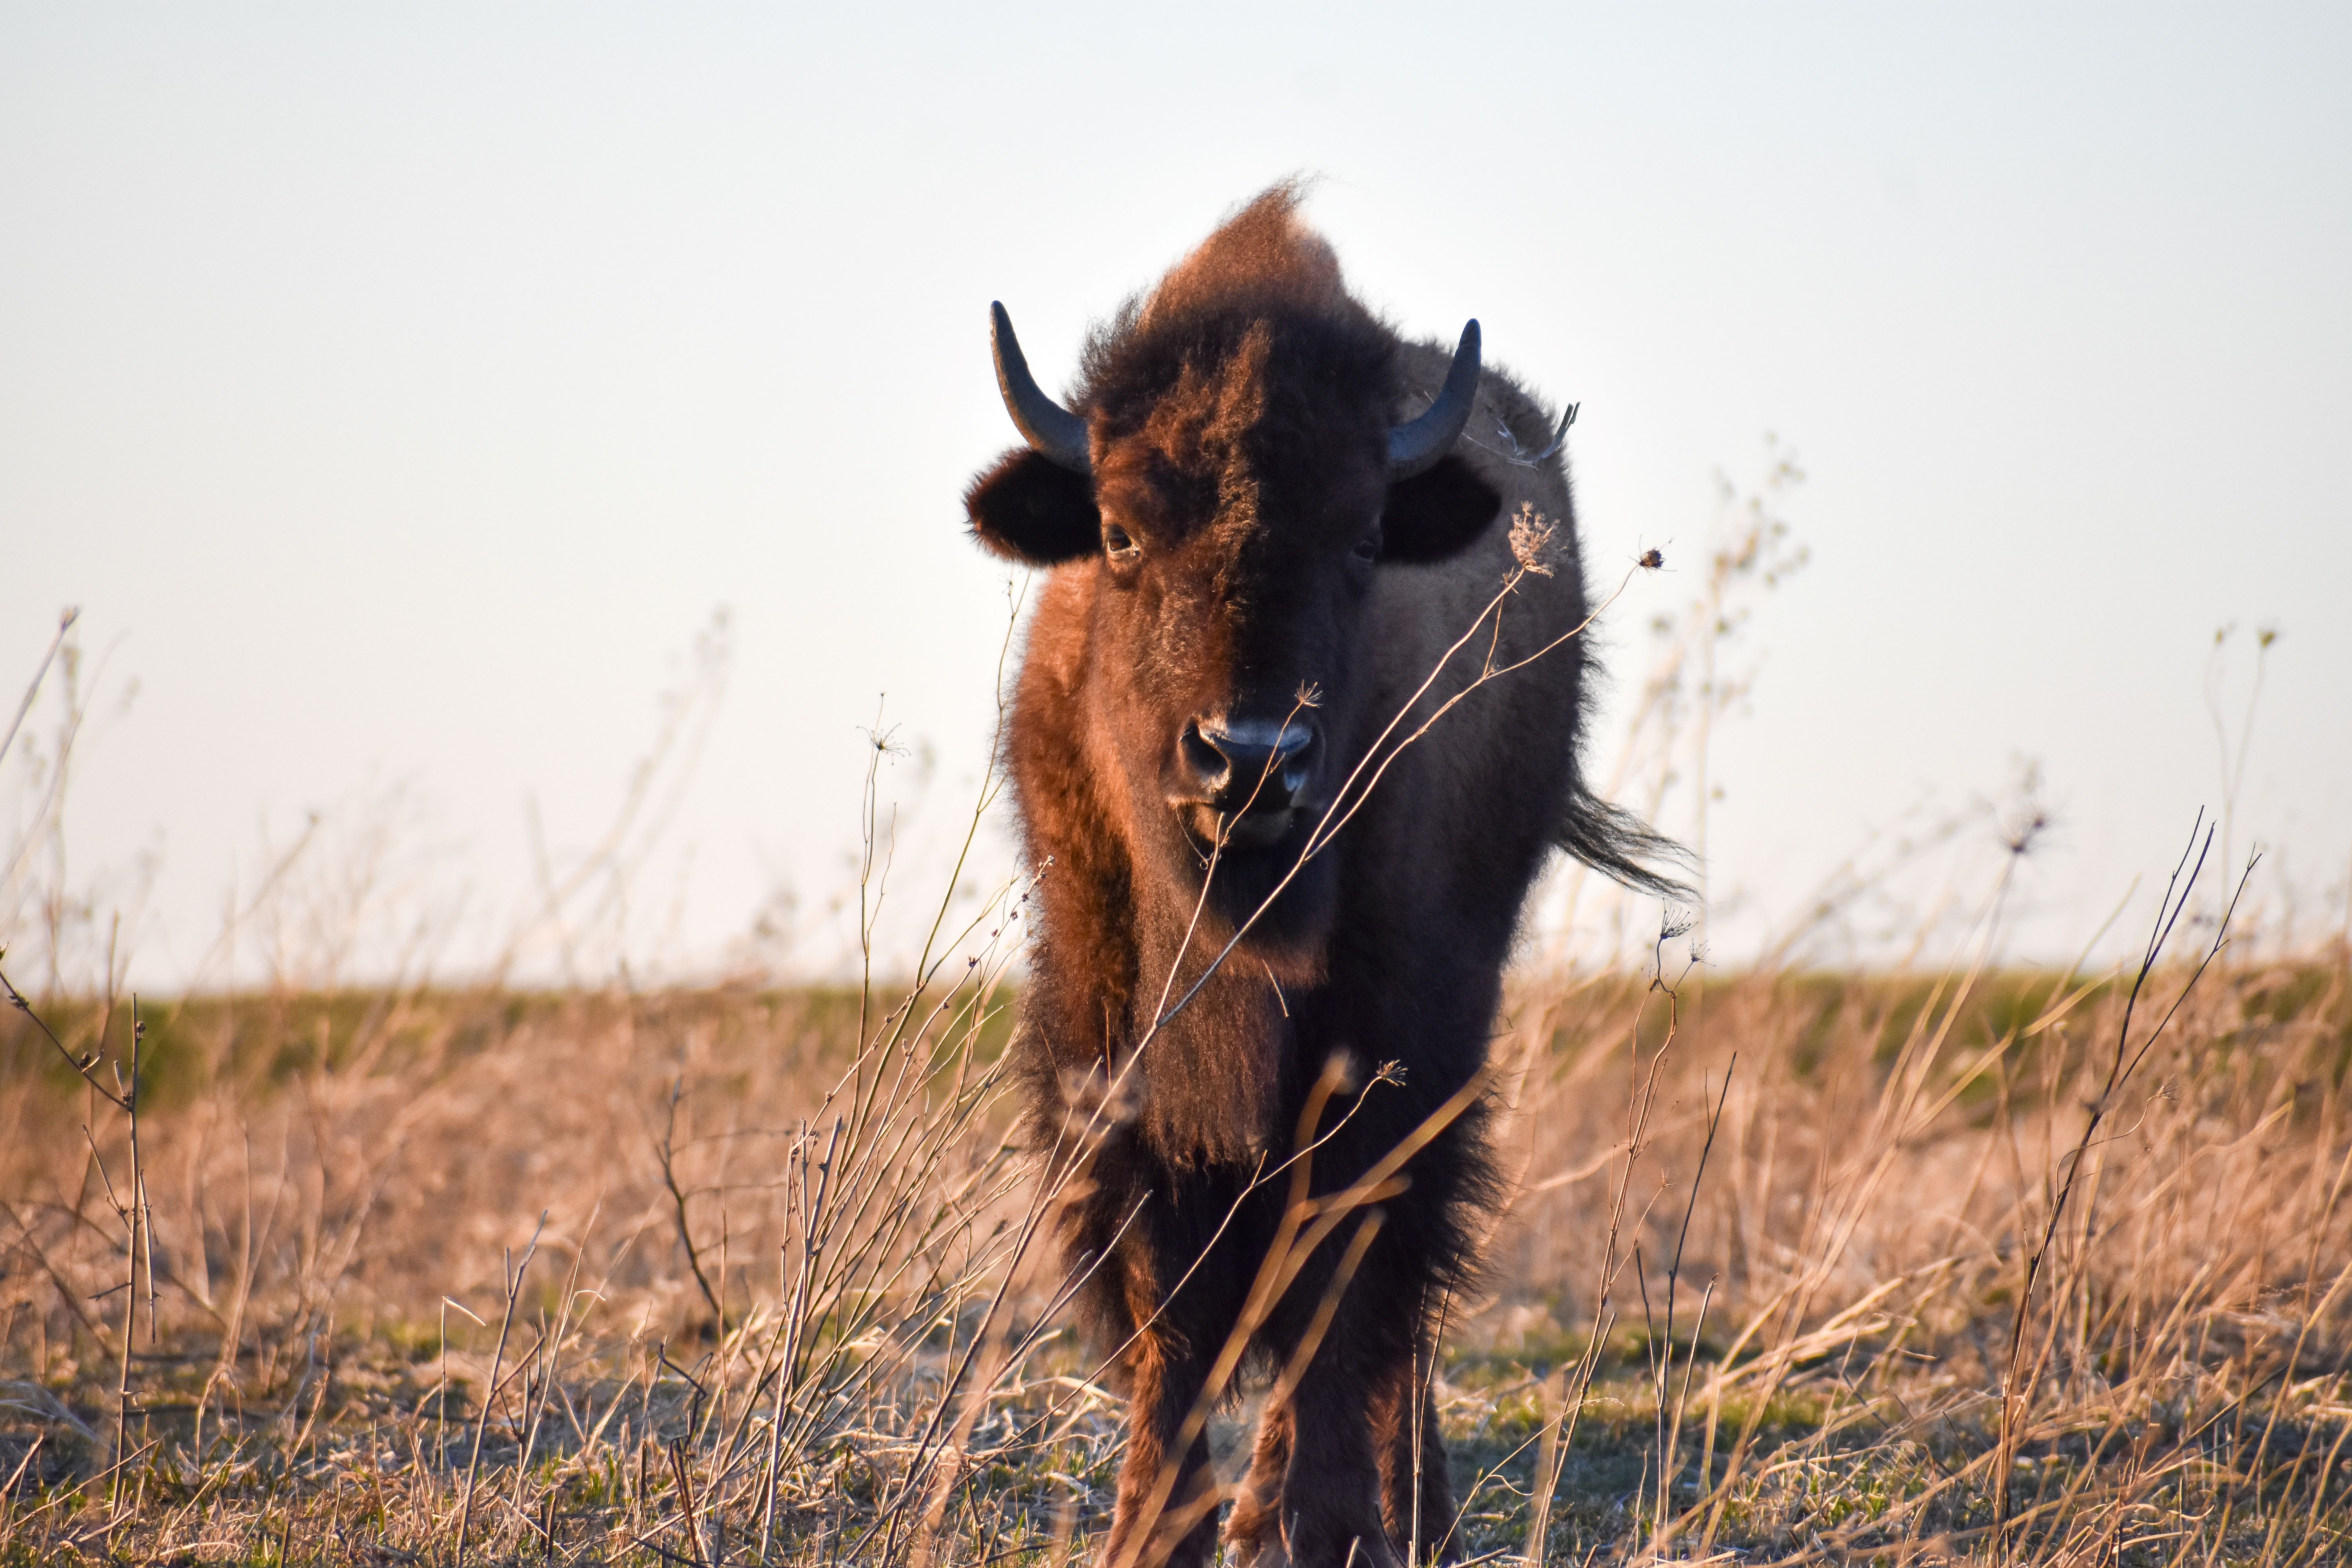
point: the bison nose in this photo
(1248, 764)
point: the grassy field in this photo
(1978, 1266)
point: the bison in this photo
(1276, 902)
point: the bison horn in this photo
(1415, 446)
(1051, 431)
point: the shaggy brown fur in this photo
(1239, 557)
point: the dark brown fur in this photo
(1237, 416)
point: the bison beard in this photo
(1263, 538)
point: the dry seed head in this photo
(2022, 833)
(1531, 540)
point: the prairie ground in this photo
(1980, 1267)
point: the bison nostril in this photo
(1248, 764)
(1294, 768)
(1202, 760)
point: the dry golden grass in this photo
(324, 1171)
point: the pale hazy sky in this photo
(399, 392)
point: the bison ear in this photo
(1434, 514)
(1031, 509)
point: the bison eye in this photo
(1367, 549)
(1117, 544)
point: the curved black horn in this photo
(1415, 446)
(1053, 431)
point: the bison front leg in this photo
(1325, 1513)
(1167, 1510)
(1416, 1488)
(1416, 1484)
(1254, 1527)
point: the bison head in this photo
(1233, 478)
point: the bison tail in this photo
(1622, 847)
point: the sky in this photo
(404, 395)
